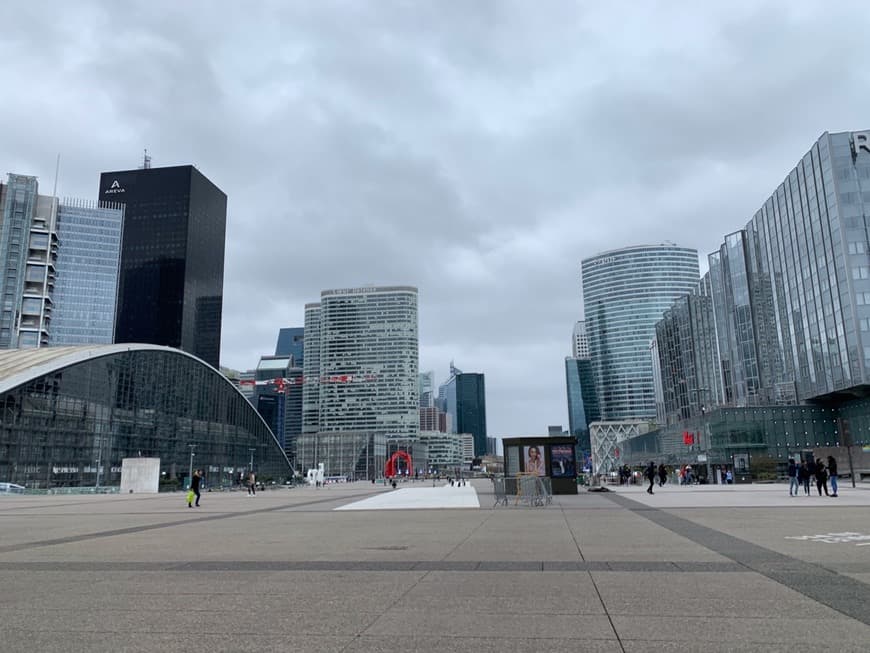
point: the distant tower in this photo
(625, 292)
(579, 342)
(146, 161)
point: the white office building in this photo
(363, 378)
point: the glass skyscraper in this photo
(60, 263)
(471, 408)
(172, 258)
(291, 342)
(790, 291)
(625, 292)
(582, 401)
(85, 292)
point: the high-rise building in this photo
(60, 262)
(465, 405)
(291, 342)
(582, 401)
(271, 379)
(686, 358)
(28, 254)
(88, 256)
(625, 292)
(172, 258)
(311, 387)
(365, 374)
(579, 341)
(787, 299)
(770, 359)
(426, 389)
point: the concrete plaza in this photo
(743, 568)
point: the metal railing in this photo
(526, 489)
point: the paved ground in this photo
(744, 568)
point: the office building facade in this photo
(463, 397)
(688, 375)
(291, 342)
(88, 259)
(28, 255)
(170, 287)
(426, 389)
(625, 292)
(790, 306)
(311, 367)
(363, 381)
(60, 262)
(582, 401)
(579, 340)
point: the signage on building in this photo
(601, 261)
(114, 189)
(861, 141)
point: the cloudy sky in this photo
(477, 150)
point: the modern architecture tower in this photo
(60, 264)
(625, 292)
(783, 317)
(311, 367)
(582, 400)
(464, 400)
(86, 290)
(291, 342)
(579, 341)
(360, 386)
(28, 253)
(172, 258)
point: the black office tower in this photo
(471, 408)
(170, 286)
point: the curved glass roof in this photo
(19, 366)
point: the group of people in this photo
(250, 480)
(799, 476)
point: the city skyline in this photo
(458, 150)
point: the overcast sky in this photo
(477, 150)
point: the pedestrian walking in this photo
(663, 475)
(252, 484)
(832, 472)
(194, 487)
(804, 477)
(792, 478)
(651, 476)
(821, 477)
(729, 477)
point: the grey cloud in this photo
(477, 150)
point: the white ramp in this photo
(416, 498)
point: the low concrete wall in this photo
(140, 475)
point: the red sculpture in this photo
(392, 467)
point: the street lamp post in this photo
(190, 469)
(252, 450)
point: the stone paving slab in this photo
(702, 594)
(742, 632)
(149, 642)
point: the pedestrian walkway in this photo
(607, 572)
(419, 498)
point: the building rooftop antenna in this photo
(146, 160)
